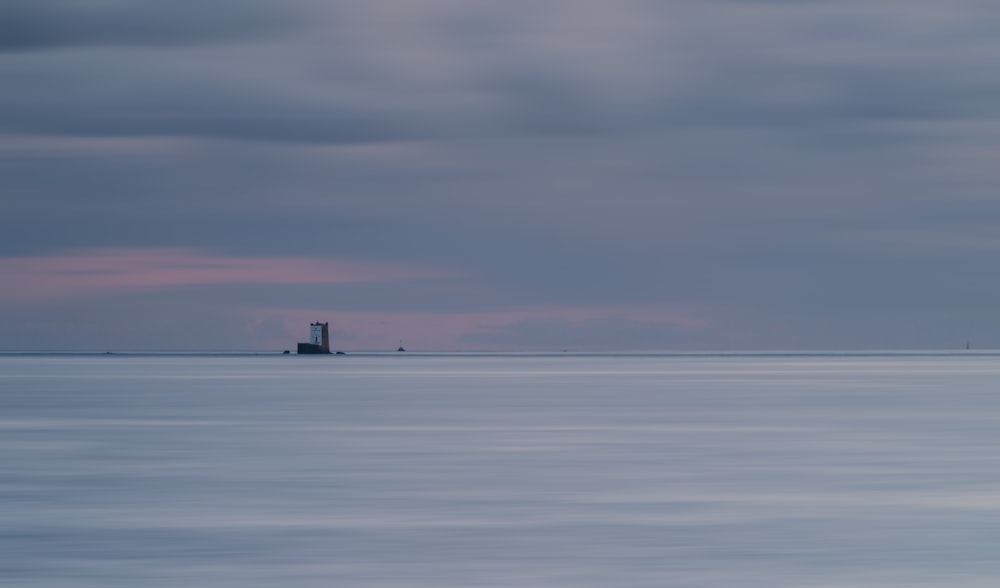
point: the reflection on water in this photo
(520, 470)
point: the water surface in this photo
(767, 470)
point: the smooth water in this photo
(518, 470)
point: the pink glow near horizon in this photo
(103, 270)
(445, 330)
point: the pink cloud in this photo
(446, 331)
(115, 269)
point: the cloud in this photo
(796, 171)
(45, 24)
(429, 69)
(93, 271)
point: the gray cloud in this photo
(30, 25)
(801, 171)
(440, 71)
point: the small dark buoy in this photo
(340, 353)
(286, 352)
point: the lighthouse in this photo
(319, 340)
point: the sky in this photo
(520, 175)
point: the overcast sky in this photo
(522, 175)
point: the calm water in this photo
(483, 471)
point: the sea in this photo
(435, 470)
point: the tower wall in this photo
(319, 340)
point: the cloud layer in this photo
(790, 174)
